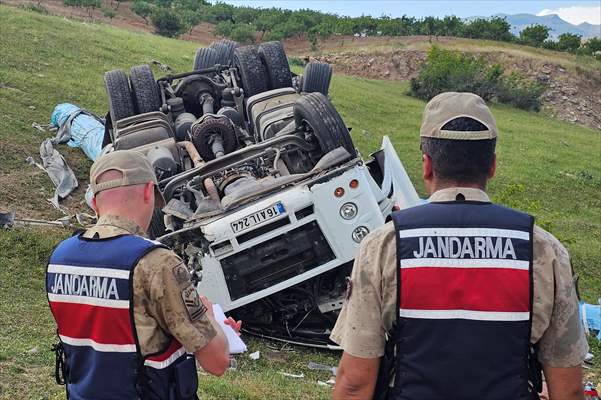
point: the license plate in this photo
(259, 217)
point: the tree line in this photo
(247, 24)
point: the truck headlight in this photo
(348, 211)
(359, 233)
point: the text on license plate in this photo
(256, 218)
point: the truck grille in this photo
(276, 260)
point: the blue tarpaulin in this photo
(591, 318)
(78, 128)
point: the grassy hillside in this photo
(548, 168)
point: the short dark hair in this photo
(461, 161)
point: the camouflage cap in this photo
(451, 105)
(134, 167)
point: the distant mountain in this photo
(556, 25)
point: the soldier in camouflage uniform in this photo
(374, 309)
(129, 318)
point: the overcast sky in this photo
(571, 11)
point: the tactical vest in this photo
(465, 303)
(90, 291)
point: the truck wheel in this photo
(205, 58)
(157, 224)
(144, 88)
(225, 50)
(317, 78)
(251, 70)
(120, 99)
(314, 113)
(276, 64)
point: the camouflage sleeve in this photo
(359, 329)
(176, 302)
(563, 343)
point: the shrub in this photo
(109, 13)
(519, 92)
(142, 9)
(296, 61)
(167, 22)
(452, 71)
(447, 70)
(569, 42)
(35, 8)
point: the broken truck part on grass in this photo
(267, 197)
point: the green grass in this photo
(546, 167)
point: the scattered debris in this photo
(590, 391)
(330, 382)
(161, 66)
(38, 127)
(7, 219)
(255, 356)
(54, 164)
(277, 356)
(33, 350)
(321, 367)
(289, 375)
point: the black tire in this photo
(157, 224)
(144, 89)
(225, 50)
(121, 104)
(205, 58)
(314, 112)
(251, 70)
(276, 64)
(317, 78)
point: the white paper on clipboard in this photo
(236, 344)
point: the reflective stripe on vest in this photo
(90, 294)
(464, 302)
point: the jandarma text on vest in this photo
(465, 247)
(83, 285)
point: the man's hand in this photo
(356, 378)
(235, 325)
(564, 383)
(214, 357)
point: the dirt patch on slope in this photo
(572, 95)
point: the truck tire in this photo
(278, 71)
(317, 78)
(157, 224)
(144, 89)
(225, 50)
(121, 104)
(251, 70)
(205, 58)
(314, 112)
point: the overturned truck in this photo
(267, 198)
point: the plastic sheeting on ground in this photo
(591, 318)
(78, 128)
(54, 164)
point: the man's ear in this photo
(94, 205)
(427, 167)
(149, 192)
(493, 167)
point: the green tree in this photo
(142, 9)
(592, 47)
(495, 28)
(190, 19)
(243, 33)
(534, 35)
(224, 28)
(569, 42)
(167, 22)
(266, 21)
